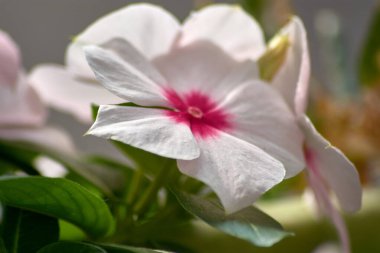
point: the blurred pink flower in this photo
(328, 168)
(202, 107)
(22, 114)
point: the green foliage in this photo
(249, 224)
(59, 198)
(369, 69)
(24, 231)
(71, 247)
(113, 248)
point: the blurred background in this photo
(344, 46)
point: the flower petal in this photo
(229, 27)
(292, 79)
(124, 79)
(199, 66)
(237, 171)
(147, 129)
(326, 206)
(50, 137)
(20, 105)
(9, 61)
(335, 168)
(60, 90)
(262, 118)
(149, 28)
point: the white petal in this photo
(20, 105)
(262, 118)
(9, 61)
(292, 79)
(326, 206)
(149, 28)
(335, 168)
(58, 88)
(49, 167)
(237, 171)
(227, 26)
(199, 66)
(125, 80)
(147, 129)
(50, 137)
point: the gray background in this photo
(43, 28)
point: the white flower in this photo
(22, 114)
(206, 109)
(328, 168)
(151, 30)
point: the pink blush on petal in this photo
(199, 112)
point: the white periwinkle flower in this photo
(200, 102)
(329, 170)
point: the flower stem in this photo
(151, 192)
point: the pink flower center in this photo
(199, 112)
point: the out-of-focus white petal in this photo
(20, 106)
(199, 66)
(49, 167)
(262, 118)
(149, 28)
(9, 61)
(292, 79)
(49, 137)
(227, 26)
(125, 80)
(335, 168)
(321, 194)
(60, 90)
(237, 171)
(147, 129)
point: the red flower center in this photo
(199, 112)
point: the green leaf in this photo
(249, 224)
(59, 198)
(113, 248)
(71, 247)
(2, 246)
(26, 231)
(369, 69)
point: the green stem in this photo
(151, 192)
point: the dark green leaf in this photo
(369, 70)
(249, 224)
(59, 198)
(71, 247)
(2, 246)
(26, 231)
(113, 248)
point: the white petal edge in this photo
(261, 117)
(335, 168)
(20, 106)
(147, 129)
(237, 171)
(50, 137)
(10, 61)
(327, 207)
(59, 89)
(125, 80)
(292, 79)
(228, 26)
(150, 28)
